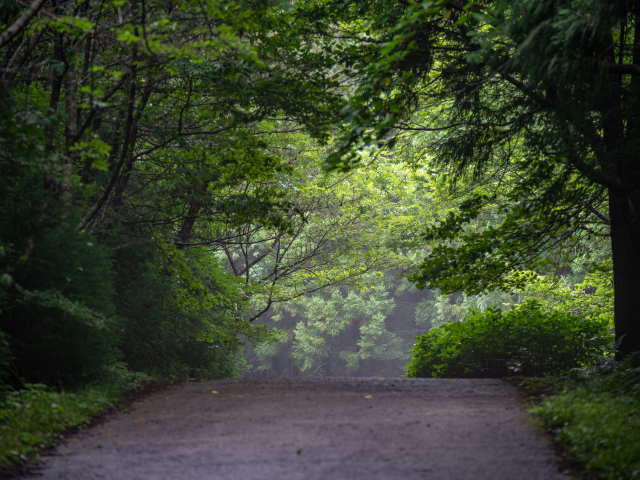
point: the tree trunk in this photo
(128, 166)
(69, 160)
(626, 277)
(186, 230)
(326, 366)
(621, 161)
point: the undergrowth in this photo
(596, 419)
(35, 416)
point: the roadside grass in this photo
(36, 416)
(599, 429)
(33, 418)
(594, 418)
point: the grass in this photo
(596, 420)
(36, 416)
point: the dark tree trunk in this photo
(293, 370)
(128, 166)
(626, 277)
(326, 366)
(621, 163)
(186, 230)
(69, 160)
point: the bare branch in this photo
(116, 169)
(604, 219)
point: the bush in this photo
(526, 340)
(5, 365)
(597, 420)
(56, 285)
(57, 307)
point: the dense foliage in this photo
(177, 179)
(596, 418)
(168, 333)
(151, 209)
(341, 332)
(539, 97)
(57, 308)
(523, 341)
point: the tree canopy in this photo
(537, 101)
(175, 176)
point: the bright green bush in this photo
(525, 340)
(597, 421)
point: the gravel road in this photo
(313, 429)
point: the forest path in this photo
(315, 429)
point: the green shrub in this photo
(56, 284)
(523, 341)
(597, 421)
(5, 365)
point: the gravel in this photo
(313, 429)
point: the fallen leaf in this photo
(369, 396)
(214, 391)
(141, 418)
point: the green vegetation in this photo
(34, 417)
(339, 332)
(597, 420)
(523, 341)
(232, 187)
(531, 104)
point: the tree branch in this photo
(630, 69)
(95, 109)
(521, 86)
(20, 23)
(604, 219)
(116, 169)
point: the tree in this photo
(136, 124)
(547, 90)
(343, 331)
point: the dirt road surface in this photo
(322, 429)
